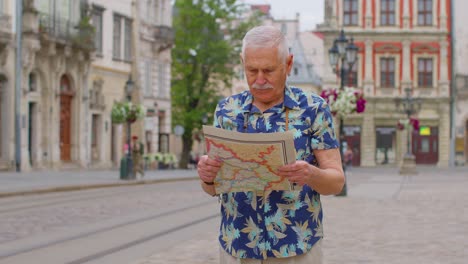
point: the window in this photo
(97, 23)
(425, 72)
(122, 43)
(163, 79)
(350, 12)
(116, 47)
(351, 76)
(128, 40)
(32, 82)
(148, 79)
(424, 12)
(387, 12)
(94, 131)
(385, 145)
(387, 72)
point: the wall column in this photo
(444, 134)
(368, 133)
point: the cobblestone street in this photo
(386, 218)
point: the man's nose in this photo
(260, 78)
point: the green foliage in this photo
(208, 36)
(126, 112)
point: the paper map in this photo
(250, 161)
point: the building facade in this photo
(402, 44)
(461, 82)
(76, 59)
(303, 45)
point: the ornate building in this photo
(76, 59)
(402, 44)
(461, 82)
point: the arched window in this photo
(65, 84)
(32, 86)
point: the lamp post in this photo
(342, 55)
(408, 106)
(128, 91)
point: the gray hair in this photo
(266, 36)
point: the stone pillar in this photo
(443, 15)
(368, 138)
(444, 80)
(368, 79)
(329, 77)
(406, 60)
(406, 14)
(368, 17)
(444, 133)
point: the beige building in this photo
(402, 44)
(461, 83)
(76, 59)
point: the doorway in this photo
(66, 97)
(426, 145)
(32, 127)
(353, 140)
(385, 145)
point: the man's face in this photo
(266, 75)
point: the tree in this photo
(208, 36)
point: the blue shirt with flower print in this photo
(275, 224)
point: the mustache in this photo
(262, 86)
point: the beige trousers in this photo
(314, 256)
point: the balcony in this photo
(164, 37)
(64, 31)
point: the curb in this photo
(92, 186)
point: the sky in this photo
(311, 11)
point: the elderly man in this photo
(276, 226)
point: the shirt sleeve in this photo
(323, 130)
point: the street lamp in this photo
(128, 91)
(409, 106)
(342, 55)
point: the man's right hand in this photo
(208, 168)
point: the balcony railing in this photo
(66, 31)
(164, 36)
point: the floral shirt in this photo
(275, 224)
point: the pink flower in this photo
(415, 123)
(331, 96)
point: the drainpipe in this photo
(19, 45)
(453, 88)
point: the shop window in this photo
(385, 145)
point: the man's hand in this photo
(208, 168)
(299, 172)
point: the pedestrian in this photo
(137, 156)
(276, 226)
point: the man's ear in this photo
(289, 63)
(241, 59)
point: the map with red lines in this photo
(250, 161)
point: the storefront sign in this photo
(424, 131)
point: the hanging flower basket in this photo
(406, 123)
(343, 103)
(123, 112)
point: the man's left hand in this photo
(299, 172)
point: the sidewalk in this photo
(394, 218)
(385, 218)
(22, 183)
